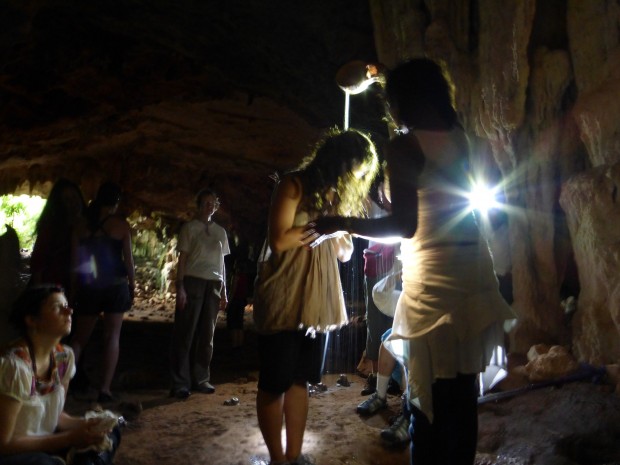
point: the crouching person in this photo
(35, 370)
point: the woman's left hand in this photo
(323, 228)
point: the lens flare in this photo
(482, 198)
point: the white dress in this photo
(450, 313)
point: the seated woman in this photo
(34, 376)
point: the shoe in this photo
(180, 393)
(394, 388)
(205, 388)
(371, 385)
(398, 432)
(371, 405)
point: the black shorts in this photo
(288, 357)
(111, 299)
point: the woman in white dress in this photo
(450, 314)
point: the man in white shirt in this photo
(201, 293)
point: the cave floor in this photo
(576, 423)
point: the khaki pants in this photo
(192, 335)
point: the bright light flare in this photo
(483, 198)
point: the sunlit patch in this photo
(21, 213)
(311, 446)
(312, 442)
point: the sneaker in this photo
(180, 393)
(398, 432)
(205, 388)
(371, 405)
(371, 385)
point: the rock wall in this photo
(537, 89)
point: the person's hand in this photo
(309, 235)
(322, 229)
(89, 434)
(181, 298)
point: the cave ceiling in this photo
(166, 97)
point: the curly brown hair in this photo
(345, 162)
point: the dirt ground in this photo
(576, 423)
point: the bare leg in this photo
(295, 415)
(112, 323)
(270, 412)
(82, 329)
(386, 365)
(386, 362)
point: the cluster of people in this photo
(446, 323)
(449, 317)
(81, 268)
(86, 249)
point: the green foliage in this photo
(21, 213)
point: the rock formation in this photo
(537, 88)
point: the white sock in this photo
(382, 385)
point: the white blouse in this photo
(39, 413)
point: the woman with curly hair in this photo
(298, 295)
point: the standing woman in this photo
(298, 295)
(105, 279)
(34, 378)
(51, 255)
(450, 312)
